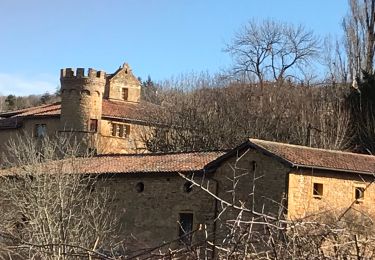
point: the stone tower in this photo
(81, 103)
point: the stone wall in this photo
(102, 141)
(151, 217)
(133, 143)
(338, 193)
(28, 128)
(261, 181)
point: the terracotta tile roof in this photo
(49, 109)
(142, 111)
(303, 156)
(125, 164)
(143, 163)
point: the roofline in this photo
(12, 113)
(136, 121)
(296, 165)
(248, 144)
(267, 152)
(331, 169)
(213, 165)
(199, 171)
(157, 154)
(40, 116)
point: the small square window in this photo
(40, 130)
(359, 193)
(93, 125)
(124, 94)
(318, 190)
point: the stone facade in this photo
(116, 83)
(338, 193)
(119, 129)
(151, 217)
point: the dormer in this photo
(123, 85)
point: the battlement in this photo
(70, 73)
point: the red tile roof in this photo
(49, 109)
(142, 111)
(125, 164)
(148, 163)
(303, 156)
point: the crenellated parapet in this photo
(80, 73)
(93, 81)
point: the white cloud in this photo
(20, 85)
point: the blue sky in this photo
(160, 38)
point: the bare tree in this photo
(48, 210)
(359, 29)
(269, 50)
(201, 115)
(335, 60)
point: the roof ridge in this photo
(157, 153)
(308, 147)
(120, 102)
(27, 109)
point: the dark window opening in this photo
(253, 165)
(359, 193)
(188, 187)
(185, 228)
(93, 125)
(140, 187)
(120, 130)
(113, 129)
(40, 130)
(86, 92)
(318, 190)
(92, 151)
(124, 93)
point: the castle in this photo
(106, 113)
(102, 111)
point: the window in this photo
(140, 187)
(93, 125)
(317, 190)
(120, 130)
(188, 187)
(185, 227)
(124, 93)
(113, 129)
(40, 130)
(359, 193)
(253, 165)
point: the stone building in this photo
(157, 205)
(275, 179)
(103, 111)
